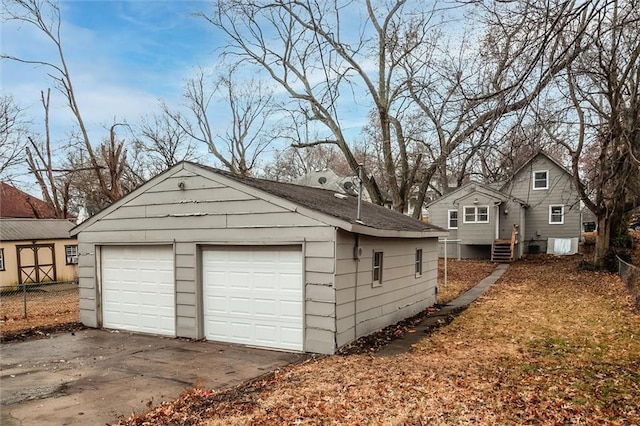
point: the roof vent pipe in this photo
(360, 167)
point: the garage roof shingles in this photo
(325, 201)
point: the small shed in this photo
(36, 251)
(200, 253)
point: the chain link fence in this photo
(630, 274)
(38, 304)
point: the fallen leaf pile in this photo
(547, 344)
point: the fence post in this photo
(24, 299)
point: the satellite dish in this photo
(348, 186)
(322, 180)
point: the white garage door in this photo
(253, 296)
(138, 289)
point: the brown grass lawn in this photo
(547, 344)
(58, 305)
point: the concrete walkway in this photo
(443, 316)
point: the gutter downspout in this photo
(360, 167)
(356, 251)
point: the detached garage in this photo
(200, 253)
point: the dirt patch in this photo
(50, 306)
(40, 332)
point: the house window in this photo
(71, 253)
(556, 215)
(377, 267)
(418, 263)
(1, 259)
(453, 219)
(541, 179)
(476, 214)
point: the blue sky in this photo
(123, 56)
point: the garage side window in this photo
(418, 263)
(1, 259)
(71, 253)
(377, 267)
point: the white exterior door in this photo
(253, 296)
(138, 290)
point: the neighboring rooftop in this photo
(19, 204)
(20, 229)
(330, 180)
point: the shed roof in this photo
(22, 229)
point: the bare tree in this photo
(397, 62)
(160, 143)
(469, 95)
(44, 15)
(602, 120)
(309, 49)
(55, 189)
(292, 163)
(13, 129)
(248, 134)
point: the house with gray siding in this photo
(537, 210)
(200, 253)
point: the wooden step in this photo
(501, 252)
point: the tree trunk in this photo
(603, 239)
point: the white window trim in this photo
(449, 218)
(551, 206)
(533, 180)
(419, 262)
(73, 258)
(475, 208)
(2, 265)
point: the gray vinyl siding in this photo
(206, 212)
(320, 312)
(469, 233)
(86, 283)
(362, 308)
(560, 192)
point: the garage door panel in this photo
(138, 289)
(244, 297)
(290, 309)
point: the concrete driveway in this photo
(92, 376)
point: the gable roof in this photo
(16, 203)
(477, 187)
(320, 204)
(497, 188)
(533, 157)
(19, 229)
